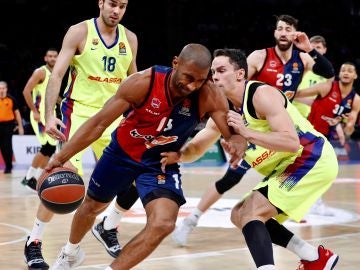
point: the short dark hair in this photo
(318, 39)
(351, 64)
(290, 20)
(236, 57)
(51, 49)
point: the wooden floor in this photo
(215, 244)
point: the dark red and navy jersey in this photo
(331, 105)
(158, 125)
(285, 77)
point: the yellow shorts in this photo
(74, 118)
(297, 182)
(39, 130)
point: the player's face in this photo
(284, 35)
(50, 58)
(112, 11)
(187, 78)
(224, 74)
(3, 90)
(319, 47)
(347, 74)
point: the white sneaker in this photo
(321, 209)
(181, 233)
(67, 262)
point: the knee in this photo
(90, 207)
(238, 214)
(161, 228)
(47, 150)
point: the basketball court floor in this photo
(214, 244)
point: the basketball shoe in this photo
(321, 209)
(326, 261)
(68, 261)
(108, 238)
(30, 183)
(181, 233)
(33, 256)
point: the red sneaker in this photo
(326, 261)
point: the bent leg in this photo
(84, 218)
(161, 217)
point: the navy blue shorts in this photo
(116, 171)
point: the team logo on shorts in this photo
(161, 179)
(122, 48)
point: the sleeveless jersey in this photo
(305, 131)
(309, 79)
(96, 73)
(158, 125)
(331, 105)
(285, 77)
(38, 95)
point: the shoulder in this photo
(11, 98)
(256, 60)
(257, 54)
(265, 95)
(357, 99)
(78, 30)
(135, 87)
(131, 36)
(40, 71)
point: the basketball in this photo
(61, 190)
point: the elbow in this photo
(294, 145)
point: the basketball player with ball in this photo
(167, 104)
(100, 53)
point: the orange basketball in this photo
(61, 190)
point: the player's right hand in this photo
(52, 130)
(53, 163)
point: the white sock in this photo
(70, 248)
(37, 231)
(195, 215)
(39, 171)
(303, 249)
(30, 173)
(113, 219)
(108, 268)
(267, 267)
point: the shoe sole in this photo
(331, 262)
(98, 237)
(32, 268)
